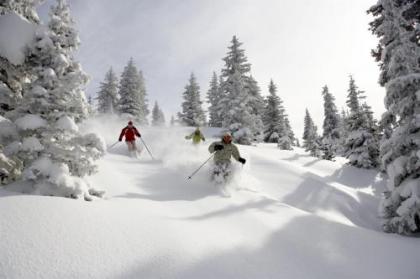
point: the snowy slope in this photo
(290, 216)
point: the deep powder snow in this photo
(289, 216)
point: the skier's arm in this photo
(122, 134)
(235, 153)
(189, 136)
(202, 137)
(137, 132)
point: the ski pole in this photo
(150, 153)
(202, 165)
(113, 145)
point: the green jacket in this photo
(224, 155)
(196, 137)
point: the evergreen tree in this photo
(342, 131)
(132, 94)
(397, 25)
(144, 107)
(173, 121)
(330, 135)
(213, 97)
(273, 115)
(192, 112)
(257, 105)
(91, 108)
(276, 122)
(158, 118)
(297, 142)
(108, 93)
(14, 76)
(289, 130)
(361, 145)
(238, 101)
(311, 141)
(25, 8)
(55, 155)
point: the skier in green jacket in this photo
(224, 151)
(196, 136)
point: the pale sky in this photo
(302, 45)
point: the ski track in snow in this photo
(289, 216)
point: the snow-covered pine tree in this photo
(276, 123)
(192, 112)
(158, 118)
(173, 121)
(14, 71)
(257, 104)
(342, 131)
(25, 8)
(131, 94)
(397, 25)
(289, 130)
(107, 95)
(91, 106)
(14, 76)
(273, 116)
(213, 98)
(331, 132)
(144, 107)
(311, 141)
(55, 155)
(361, 145)
(297, 142)
(236, 104)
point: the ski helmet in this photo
(227, 138)
(130, 122)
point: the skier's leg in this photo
(224, 178)
(216, 172)
(219, 172)
(135, 149)
(130, 147)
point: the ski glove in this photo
(218, 147)
(242, 161)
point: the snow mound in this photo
(30, 122)
(7, 129)
(53, 174)
(67, 123)
(19, 33)
(31, 144)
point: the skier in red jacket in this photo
(130, 132)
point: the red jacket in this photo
(129, 134)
